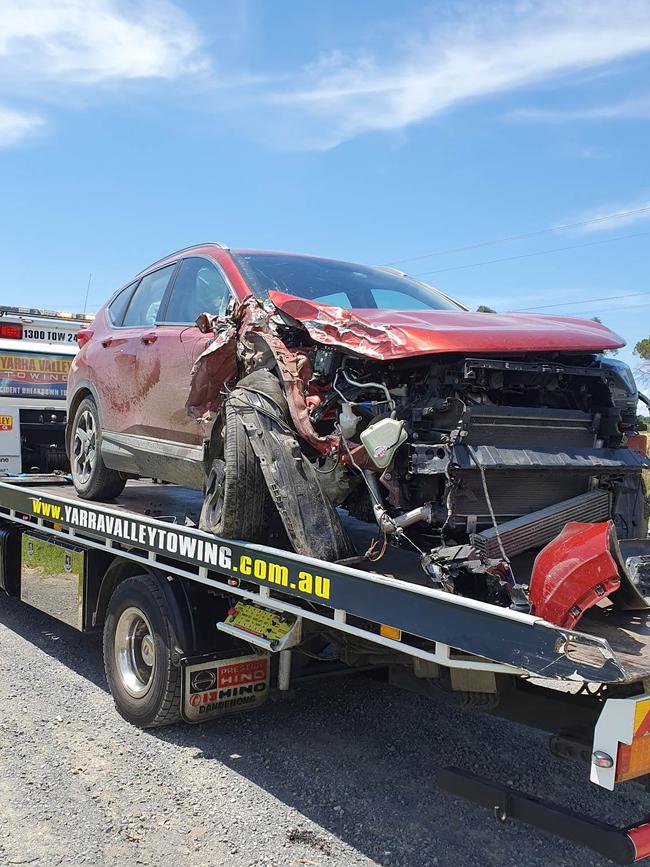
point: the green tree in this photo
(483, 309)
(642, 351)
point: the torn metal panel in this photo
(216, 364)
(259, 347)
(386, 335)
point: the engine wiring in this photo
(399, 532)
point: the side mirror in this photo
(204, 323)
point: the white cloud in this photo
(483, 51)
(17, 125)
(613, 215)
(90, 41)
(52, 51)
(626, 109)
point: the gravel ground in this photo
(341, 775)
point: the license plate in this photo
(59, 334)
(258, 621)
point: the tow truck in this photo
(36, 350)
(196, 626)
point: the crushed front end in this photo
(481, 462)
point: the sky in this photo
(497, 149)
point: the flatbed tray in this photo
(392, 591)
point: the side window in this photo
(118, 305)
(199, 288)
(144, 306)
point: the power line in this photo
(607, 310)
(581, 301)
(528, 255)
(520, 237)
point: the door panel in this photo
(165, 363)
(121, 388)
(163, 372)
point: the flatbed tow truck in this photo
(196, 626)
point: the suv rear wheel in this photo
(93, 480)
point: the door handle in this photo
(108, 342)
(147, 339)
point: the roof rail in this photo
(219, 244)
(45, 314)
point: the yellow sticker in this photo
(258, 621)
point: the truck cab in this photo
(36, 350)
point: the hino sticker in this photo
(212, 688)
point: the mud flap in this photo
(308, 516)
(213, 686)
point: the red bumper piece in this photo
(573, 572)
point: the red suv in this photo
(287, 385)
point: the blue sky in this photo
(369, 130)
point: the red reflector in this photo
(83, 336)
(640, 837)
(11, 330)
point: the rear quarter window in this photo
(117, 307)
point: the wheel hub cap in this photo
(84, 446)
(135, 652)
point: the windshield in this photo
(341, 284)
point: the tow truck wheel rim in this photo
(84, 446)
(135, 652)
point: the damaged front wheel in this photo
(237, 504)
(264, 467)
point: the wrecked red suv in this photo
(286, 386)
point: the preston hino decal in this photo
(213, 688)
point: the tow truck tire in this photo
(93, 480)
(144, 682)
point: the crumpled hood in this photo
(390, 334)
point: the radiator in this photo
(538, 528)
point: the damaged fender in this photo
(216, 362)
(308, 516)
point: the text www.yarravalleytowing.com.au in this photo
(173, 541)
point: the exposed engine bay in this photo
(476, 462)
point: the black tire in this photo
(237, 503)
(160, 700)
(92, 480)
